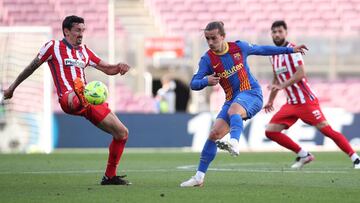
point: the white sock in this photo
(354, 157)
(302, 153)
(233, 140)
(200, 175)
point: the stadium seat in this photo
(312, 15)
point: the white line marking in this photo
(184, 168)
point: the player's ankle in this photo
(200, 176)
(302, 153)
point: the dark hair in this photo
(70, 20)
(279, 23)
(216, 25)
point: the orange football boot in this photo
(79, 88)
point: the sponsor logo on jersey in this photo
(280, 70)
(74, 62)
(230, 72)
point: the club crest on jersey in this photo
(237, 56)
(74, 62)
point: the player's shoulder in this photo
(205, 58)
(47, 46)
(50, 42)
(84, 46)
(291, 44)
(240, 42)
(244, 44)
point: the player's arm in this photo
(35, 64)
(269, 106)
(264, 50)
(112, 69)
(199, 80)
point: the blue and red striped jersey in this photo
(232, 67)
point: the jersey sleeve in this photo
(271, 59)
(253, 49)
(199, 80)
(297, 59)
(46, 51)
(94, 60)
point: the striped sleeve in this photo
(94, 60)
(46, 51)
(297, 59)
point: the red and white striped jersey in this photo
(284, 66)
(67, 63)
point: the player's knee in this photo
(237, 109)
(322, 125)
(271, 127)
(122, 134)
(215, 135)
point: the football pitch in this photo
(74, 176)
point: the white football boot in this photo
(192, 182)
(232, 146)
(357, 164)
(301, 161)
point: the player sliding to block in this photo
(225, 63)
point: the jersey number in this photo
(317, 114)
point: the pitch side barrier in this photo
(182, 130)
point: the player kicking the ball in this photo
(67, 59)
(289, 75)
(226, 63)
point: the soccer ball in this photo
(96, 92)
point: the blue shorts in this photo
(251, 100)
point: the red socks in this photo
(283, 140)
(116, 149)
(338, 138)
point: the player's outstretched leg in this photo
(303, 157)
(232, 145)
(342, 143)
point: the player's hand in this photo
(213, 79)
(8, 93)
(123, 68)
(300, 49)
(269, 107)
(275, 87)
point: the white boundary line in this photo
(187, 168)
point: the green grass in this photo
(251, 177)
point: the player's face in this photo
(75, 35)
(214, 40)
(278, 35)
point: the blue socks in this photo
(207, 155)
(236, 126)
(209, 151)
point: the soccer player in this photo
(225, 63)
(289, 75)
(67, 59)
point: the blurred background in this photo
(162, 41)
